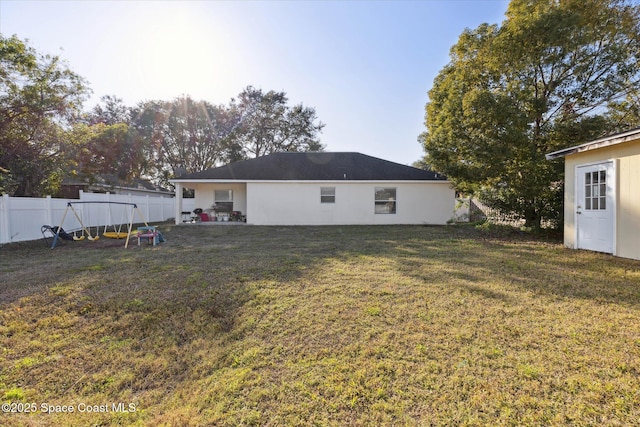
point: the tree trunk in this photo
(533, 221)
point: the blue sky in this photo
(365, 66)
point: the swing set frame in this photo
(134, 209)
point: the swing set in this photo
(116, 233)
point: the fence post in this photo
(49, 210)
(167, 206)
(82, 197)
(5, 229)
(109, 219)
(177, 203)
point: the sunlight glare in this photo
(180, 54)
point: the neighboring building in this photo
(322, 188)
(70, 188)
(602, 194)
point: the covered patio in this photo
(219, 203)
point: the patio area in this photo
(214, 223)
(209, 216)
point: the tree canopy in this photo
(46, 137)
(182, 135)
(185, 135)
(266, 124)
(39, 97)
(554, 74)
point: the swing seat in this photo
(116, 234)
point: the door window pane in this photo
(595, 190)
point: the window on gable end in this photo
(385, 200)
(327, 194)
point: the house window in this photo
(595, 190)
(223, 196)
(223, 201)
(385, 201)
(327, 194)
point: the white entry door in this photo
(595, 207)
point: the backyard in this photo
(328, 326)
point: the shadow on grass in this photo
(144, 321)
(473, 258)
(101, 322)
(224, 257)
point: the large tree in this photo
(103, 145)
(267, 124)
(549, 77)
(183, 135)
(39, 97)
(45, 137)
(111, 152)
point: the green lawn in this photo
(333, 326)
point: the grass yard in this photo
(327, 326)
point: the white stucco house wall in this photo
(322, 188)
(602, 194)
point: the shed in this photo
(602, 194)
(322, 188)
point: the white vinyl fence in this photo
(22, 217)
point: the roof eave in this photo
(598, 143)
(222, 180)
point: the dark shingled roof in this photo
(315, 166)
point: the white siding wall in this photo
(272, 203)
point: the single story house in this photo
(322, 188)
(602, 194)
